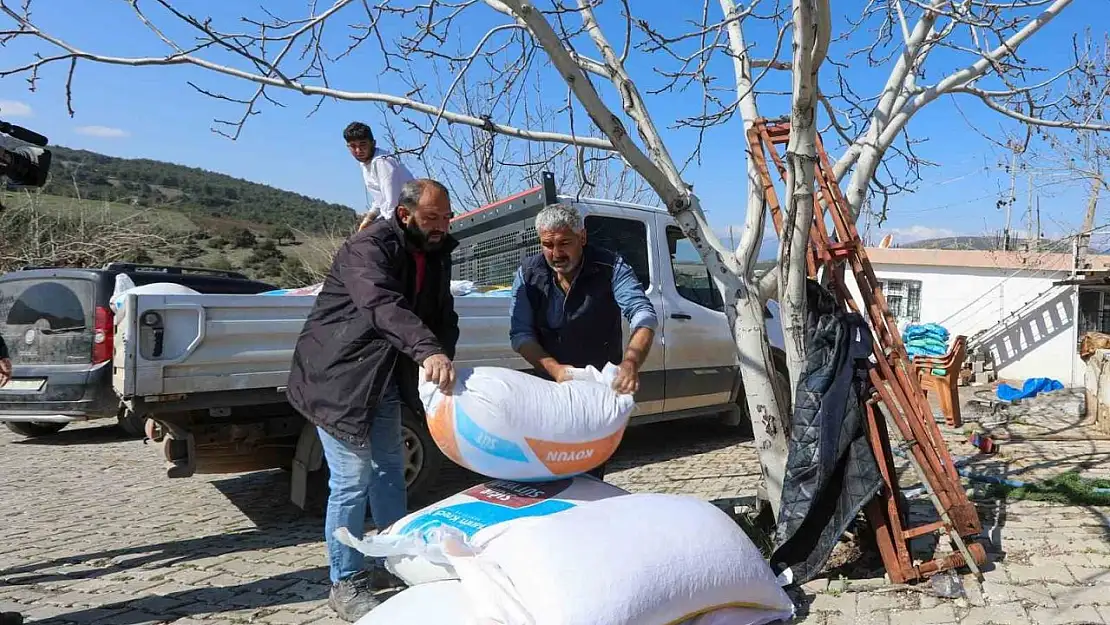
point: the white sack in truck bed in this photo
(125, 286)
(515, 426)
(405, 544)
(458, 289)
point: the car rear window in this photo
(48, 321)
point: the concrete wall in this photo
(1040, 343)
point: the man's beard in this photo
(420, 239)
(568, 268)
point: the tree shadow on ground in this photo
(262, 497)
(249, 601)
(109, 432)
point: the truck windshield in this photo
(47, 320)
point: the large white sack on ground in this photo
(512, 425)
(437, 603)
(405, 544)
(640, 559)
(730, 616)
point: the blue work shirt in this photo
(630, 297)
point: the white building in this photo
(1027, 323)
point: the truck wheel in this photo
(35, 429)
(132, 424)
(423, 461)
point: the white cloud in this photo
(918, 233)
(104, 132)
(13, 108)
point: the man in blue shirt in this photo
(568, 301)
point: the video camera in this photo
(25, 165)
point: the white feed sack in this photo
(511, 425)
(437, 603)
(411, 544)
(446, 603)
(640, 559)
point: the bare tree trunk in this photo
(766, 399)
(811, 40)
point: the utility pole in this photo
(1010, 202)
(1038, 234)
(1029, 212)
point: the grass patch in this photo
(98, 210)
(764, 540)
(1068, 488)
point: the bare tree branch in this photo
(74, 54)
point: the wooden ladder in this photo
(897, 393)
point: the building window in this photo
(903, 298)
(1094, 311)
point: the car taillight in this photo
(103, 335)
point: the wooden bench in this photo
(946, 384)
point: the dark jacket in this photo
(831, 471)
(3, 349)
(591, 331)
(369, 329)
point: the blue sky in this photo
(153, 113)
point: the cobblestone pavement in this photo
(94, 533)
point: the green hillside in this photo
(97, 209)
(144, 183)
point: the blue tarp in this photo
(1031, 388)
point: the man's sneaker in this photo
(353, 597)
(381, 579)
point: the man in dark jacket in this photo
(384, 310)
(567, 306)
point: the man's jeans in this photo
(376, 473)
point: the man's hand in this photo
(5, 371)
(561, 373)
(628, 379)
(440, 370)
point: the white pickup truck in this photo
(209, 371)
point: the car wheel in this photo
(34, 429)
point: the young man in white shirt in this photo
(384, 174)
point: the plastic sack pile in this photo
(643, 559)
(929, 339)
(513, 425)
